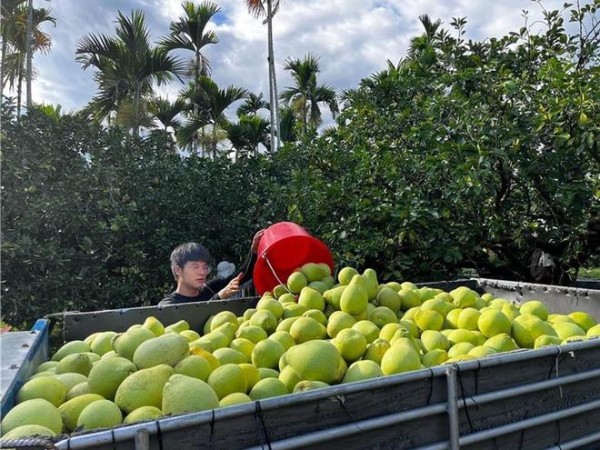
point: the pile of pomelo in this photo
(308, 334)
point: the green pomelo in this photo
(492, 322)
(270, 304)
(593, 331)
(544, 340)
(566, 330)
(236, 398)
(428, 319)
(307, 385)
(126, 343)
(460, 335)
(311, 299)
(103, 342)
(333, 296)
(527, 327)
(227, 379)
(183, 394)
(451, 320)
(251, 374)
(316, 314)
(535, 307)
(289, 377)
(371, 283)
(144, 387)
(153, 324)
(48, 388)
(178, 327)
(501, 343)
(306, 329)
(69, 380)
(463, 297)
(433, 339)
(228, 355)
(434, 357)
(46, 365)
(409, 299)
(267, 353)
(70, 410)
(583, 319)
(279, 290)
(481, 351)
(100, 414)
(468, 319)
(293, 309)
(283, 299)
(382, 315)
(37, 411)
(264, 319)
(376, 350)
(296, 281)
(354, 299)
(389, 298)
(168, 349)
(362, 370)
(28, 431)
(267, 388)
(284, 338)
(142, 414)
(253, 333)
(243, 346)
(70, 348)
(190, 335)
(77, 390)
(338, 321)
(265, 372)
(461, 348)
(75, 363)
(318, 286)
(107, 374)
(401, 357)
(222, 318)
(315, 360)
(346, 274)
(350, 343)
(368, 329)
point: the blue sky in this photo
(353, 38)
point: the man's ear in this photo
(178, 271)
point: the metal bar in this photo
(528, 423)
(453, 430)
(577, 443)
(304, 440)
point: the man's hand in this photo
(232, 288)
(256, 240)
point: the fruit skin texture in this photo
(107, 374)
(37, 411)
(143, 413)
(183, 394)
(143, 388)
(493, 322)
(400, 357)
(49, 388)
(354, 298)
(71, 409)
(227, 379)
(168, 349)
(315, 361)
(70, 348)
(100, 414)
(25, 431)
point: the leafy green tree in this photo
(189, 33)
(252, 104)
(306, 95)
(127, 66)
(248, 134)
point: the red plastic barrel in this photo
(284, 247)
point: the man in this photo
(190, 264)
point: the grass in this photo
(590, 273)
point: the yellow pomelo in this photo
(362, 370)
(227, 379)
(511, 311)
(315, 360)
(408, 299)
(433, 339)
(153, 324)
(468, 319)
(368, 329)
(264, 319)
(265, 372)
(267, 353)
(428, 319)
(228, 355)
(463, 297)
(183, 394)
(284, 338)
(236, 398)
(77, 390)
(70, 348)
(26, 431)
(451, 320)
(371, 283)
(144, 387)
(251, 374)
(535, 307)
(350, 343)
(70, 410)
(75, 363)
(69, 380)
(286, 324)
(103, 342)
(583, 319)
(37, 411)
(425, 293)
(316, 314)
(222, 318)
(307, 385)
(293, 309)
(566, 330)
(142, 414)
(459, 358)
(311, 299)
(492, 322)
(593, 331)
(48, 388)
(401, 357)
(270, 304)
(545, 340)
(501, 343)
(346, 274)
(177, 327)
(487, 297)
(460, 335)
(228, 329)
(107, 374)
(388, 330)
(253, 333)
(168, 349)
(394, 285)
(434, 357)
(267, 388)
(498, 303)
(382, 315)
(338, 321)
(376, 349)
(333, 296)
(306, 329)
(244, 346)
(247, 314)
(527, 327)
(389, 298)
(411, 326)
(286, 298)
(99, 414)
(126, 343)
(461, 348)
(436, 304)
(279, 290)
(208, 356)
(354, 299)
(296, 281)
(289, 377)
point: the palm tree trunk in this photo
(271, 62)
(19, 90)
(136, 112)
(29, 52)
(2, 61)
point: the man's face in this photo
(194, 274)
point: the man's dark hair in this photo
(190, 251)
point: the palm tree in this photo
(127, 66)
(252, 105)
(188, 33)
(248, 134)
(8, 23)
(304, 98)
(167, 113)
(422, 48)
(207, 106)
(18, 45)
(268, 8)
